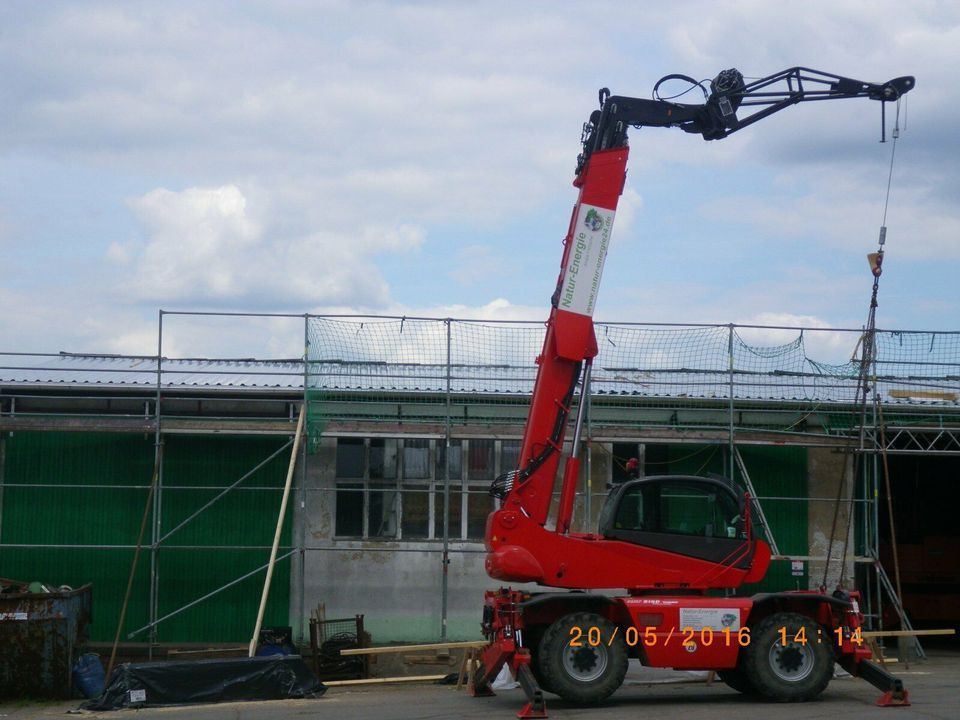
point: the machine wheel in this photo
(736, 679)
(586, 673)
(794, 672)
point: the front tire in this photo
(585, 673)
(736, 679)
(534, 636)
(795, 672)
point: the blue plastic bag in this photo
(88, 675)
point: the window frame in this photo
(432, 484)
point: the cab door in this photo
(697, 517)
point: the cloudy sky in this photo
(415, 158)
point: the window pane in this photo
(416, 459)
(479, 506)
(382, 514)
(350, 454)
(509, 455)
(630, 512)
(480, 465)
(349, 522)
(456, 460)
(697, 510)
(416, 514)
(383, 459)
(454, 514)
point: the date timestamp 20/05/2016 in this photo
(593, 636)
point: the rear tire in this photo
(587, 673)
(795, 672)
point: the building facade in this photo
(408, 423)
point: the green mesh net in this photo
(428, 373)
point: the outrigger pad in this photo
(275, 677)
(894, 699)
(535, 707)
(894, 694)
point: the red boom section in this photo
(569, 340)
(520, 547)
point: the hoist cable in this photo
(893, 152)
(868, 358)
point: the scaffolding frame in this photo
(922, 428)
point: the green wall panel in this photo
(64, 513)
(230, 615)
(775, 472)
(192, 563)
(781, 472)
(195, 470)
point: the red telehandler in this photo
(666, 540)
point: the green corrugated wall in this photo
(194, 471)
(775, 472)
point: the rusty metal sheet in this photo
(41, 635)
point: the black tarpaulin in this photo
(276, 677)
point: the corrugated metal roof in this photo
(75, 370)
(110, 371)
(633, 382)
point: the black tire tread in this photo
(550, 651)
(736, 679)
(756, 660)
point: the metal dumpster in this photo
(41, 636)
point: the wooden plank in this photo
(281, 516)
(54, 423)
(463, 668)
(390, 680)
(429, 659)
(923, 395)
(58, 423)
(207, 651)
(906, 633)
(414, 648)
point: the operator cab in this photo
(700, 517)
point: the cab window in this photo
(630, 512)
(679, 508)
(694, 509)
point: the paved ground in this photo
(934, 687)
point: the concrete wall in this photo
(396, 585)
(826, 473)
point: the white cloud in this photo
(199, 240)
(820, 342)
(497, 309)
(203, 247)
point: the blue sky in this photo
(416, 158)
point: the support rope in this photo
(867, 377)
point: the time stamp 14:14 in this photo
(593, 636)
